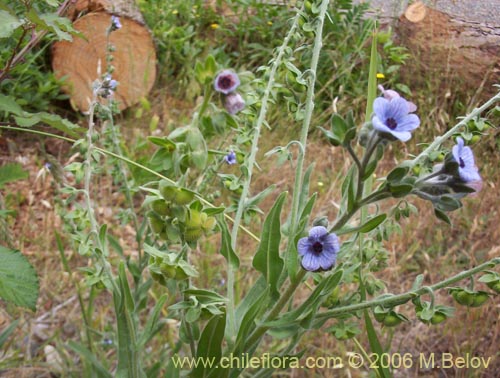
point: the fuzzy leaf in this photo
(8, 23)
(18, 280)
(210, 346)
(267, 260)
(226, 249)
(12, 172)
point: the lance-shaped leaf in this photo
(210, 349)
(226, 249)
(267, 260)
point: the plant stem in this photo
(231, 317)
(440, 139)
(285, 297)
(391, 301)
(299, 179)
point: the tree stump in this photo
(82, 61)
(447, 46)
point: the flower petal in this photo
(408, 123)
(317, 232)
(304, 246)
(310, 262)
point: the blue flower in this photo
(318, 250)
(392, 116)
(226, 82)
(115, 23)
(230, 158)
(463, 155)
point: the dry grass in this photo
(425, 246)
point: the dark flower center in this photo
(391, 123)
(461, 162)
(225, 82)
(317, 247)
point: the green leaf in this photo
(248, 321)
(8, 23)
(397, 174)
(98, 368)
(372, 78)
(267, 260)
(12, 172)
(210, 347)
(205, 296)
(253, 294)
(152, 326)
(128, 356)
(163, 142)
(441, 215)
(26, 119)
(372, 223)
(9, 105)
(4, 335)
(51, 22)
(375, 345)
(18, 280)
(226, 249)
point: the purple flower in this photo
(389, 94)
(318, 250)
(115, 23)
(226, 82)
(463, 155)
(234, 103)
(230, 158)
(392, 116)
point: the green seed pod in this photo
(463, 297)
(391, 320)
(195, 219)
(159, 278)
(479, 298)
(183, 197)
(155, 222)
(438, 317)
(209, 224)
(167, 270)
(160, 207)
(192, 234)
(495, 286)
(168, 191)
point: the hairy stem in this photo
(390, 301)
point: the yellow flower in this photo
(380, 75)
(175, 11)
(269, 23)
(214, 26)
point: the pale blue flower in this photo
(115, 23)
(234, 103)
(230, 158)
(393, 116)
(463, 155)
(226, 82)
(318, 250)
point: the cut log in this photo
(82, 61)
(449, 46)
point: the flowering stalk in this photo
(318, 43)
(294, 283)
(440, 139)
(391, 301)
(231, 331)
